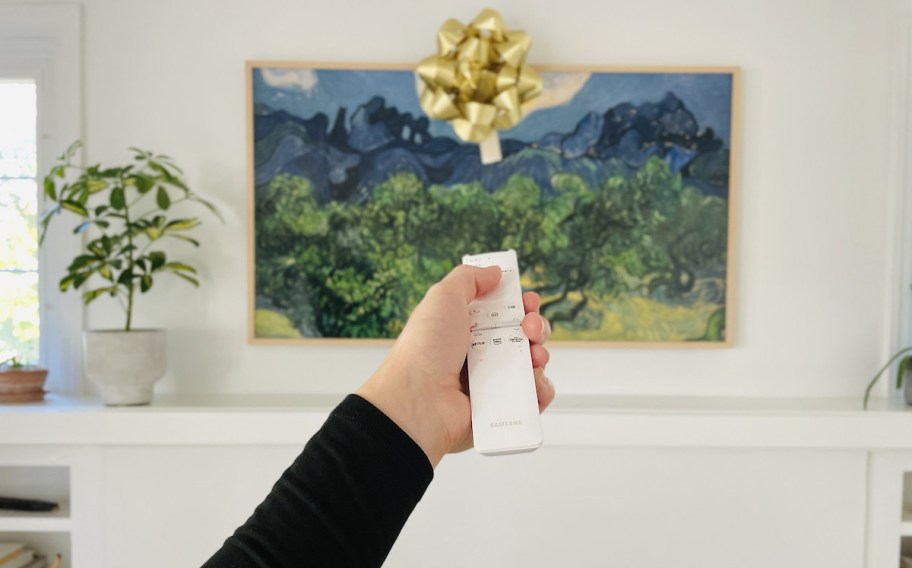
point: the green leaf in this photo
(95, 185)
(80, 261)
(100, 210)
(189, 279)
(82, 227)
(182, 224)
(140, 154)
(66, 282)
(80, 278)
(50, 188)
(162, 170)
(156, 259)
(125, 277)
(194, 242)
(179, 267)
(145, 283)
(105, 272)
(75, 207)
(209, 205)
(118, 199)
(103, 224)
(162, 198)
(143, 184)
(96, 248)
(905, 364)
(153, 233)
(92, 295)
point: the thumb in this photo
(472, 281)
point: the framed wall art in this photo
(616, 190)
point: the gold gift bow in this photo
(478, 80)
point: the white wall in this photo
(816, 182)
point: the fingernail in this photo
(546, 329)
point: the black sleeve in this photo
(342, 502)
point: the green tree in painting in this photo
(345, 269)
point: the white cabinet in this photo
(700, 483)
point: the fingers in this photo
(471, 281)
(531, 302)
(536, 328)
(543, 388)
(540, 355)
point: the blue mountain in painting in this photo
(346, 155)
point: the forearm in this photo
(343, 501)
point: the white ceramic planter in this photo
(125, 364)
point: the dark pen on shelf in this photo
(16, 504)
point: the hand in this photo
(422, 384)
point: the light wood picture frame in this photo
(617, 190)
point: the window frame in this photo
(43, 43)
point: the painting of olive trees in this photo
(615, 190)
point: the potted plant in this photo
(905, 365)
(20, 382)
(128, 213)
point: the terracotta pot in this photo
(22, 385)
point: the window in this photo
(19, 313)
(40, 116)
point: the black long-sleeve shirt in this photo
(342, 502)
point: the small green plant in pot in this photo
(21, 382)
(128, 212)
(904, 366)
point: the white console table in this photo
(620, 481)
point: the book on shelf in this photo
(15, 555)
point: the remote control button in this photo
(494, 315)
(478, 344)
(516, 339)
(497, 341)
(475, 311)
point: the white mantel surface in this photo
(573, 421)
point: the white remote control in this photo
(505, 417)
